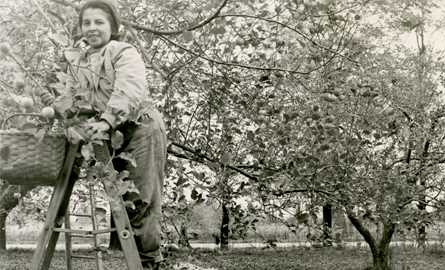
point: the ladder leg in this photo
(99, 261)
(68, 242)
(59, 201)
(124, 231)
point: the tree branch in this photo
(203, 157)
(281, 193)
(293, 29)
(152, 30)
(232, 64)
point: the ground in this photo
(297, 258)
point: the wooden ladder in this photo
(57, 212)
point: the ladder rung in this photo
(81, 215)
(82, 257)
(84, 231)
(82, 235)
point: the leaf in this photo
(132, 188)
(62, 77)
(128, 157)
(63, 103)
(103, 194)
(129, 204)
(71, 56)
(226, 158)
(101, 212)
(62, 40)
(87, 151)
(250, 135)
(187, 35)
(209, 6)
(303, 218)
(5, 153)
(122, 187)
(219, 30)
(194, 194)
(76, 134)
(123, 174)
(181, 181)
(117, 139)
(214, 165)
(40, 135)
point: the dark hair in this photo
(108, 8)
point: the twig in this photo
(144, 53)
(29, 74)
(44, 16)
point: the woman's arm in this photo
(129, 85)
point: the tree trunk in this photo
(7, 203)
(115, 244)
(225, 228)
(3, 231)
(380, 251)
(422, 230)
(327, 224)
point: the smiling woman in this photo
(114, 74)
(96, 27)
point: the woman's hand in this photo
(47, 98)
(98, 127)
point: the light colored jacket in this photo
(117, 83)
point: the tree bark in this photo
(7, 203)
(380, 251)
(225, 228)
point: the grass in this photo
(403, 258)
(322, 259)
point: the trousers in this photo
(147, 144)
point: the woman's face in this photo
(96, 27)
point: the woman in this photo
(114, 72)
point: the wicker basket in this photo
(33, 163)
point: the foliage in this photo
(269, 100)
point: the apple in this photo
(240, 41)
(17, 195)
(243, 33)
(329, 97)
(261, 118)
(6, 101)
(337, 92)
(19, 84)
(5, 47)
(262, 112)
(37, 91)
(48, 112)
(279, 73)
(27, 102)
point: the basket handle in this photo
(84, 112)
(18, 114)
